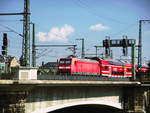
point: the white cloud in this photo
(56, 34)
(99, 27)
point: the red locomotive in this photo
(100, 67)
(75, 66)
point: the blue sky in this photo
(62, 21)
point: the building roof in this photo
(11, 59)
(48, 65)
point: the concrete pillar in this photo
(128, 99)
(142, 100)
(136, 100)
(147, 101)
(139, 100)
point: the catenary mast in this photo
(26, 35)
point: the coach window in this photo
(105, 68)
(129, 69)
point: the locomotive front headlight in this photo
(60, 67)
(68, 67)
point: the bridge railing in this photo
(55, 76)
(85, 78)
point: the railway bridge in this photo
(50, 96)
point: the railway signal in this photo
(125, 43)
(106, 44)
(5, 44)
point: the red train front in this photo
(65, 66)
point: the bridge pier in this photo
(12, 102)
(136, 100)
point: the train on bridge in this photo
(98, 67)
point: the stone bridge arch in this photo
(43, 100)
(66, 105)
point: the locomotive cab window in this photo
(68, 61)
(65, 61)
(61, 61)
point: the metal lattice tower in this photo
(26, 35)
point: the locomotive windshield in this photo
(117, 63)
(65, 61)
